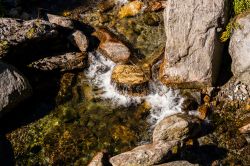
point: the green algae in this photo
(77, 129)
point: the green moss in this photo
(239, 7)
(30, 34)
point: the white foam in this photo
(121, 1)
(164, 101)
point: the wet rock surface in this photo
(131, 79)
(112, 47)
(193, 52)
(14, 88)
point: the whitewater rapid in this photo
(163, 100)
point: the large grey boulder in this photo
(239, 47)
(145, 155)
(15, 31)
(13, 88)
(176, 127)
(193, 48)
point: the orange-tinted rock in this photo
(130, 9)
(111, 47)
(131, 78)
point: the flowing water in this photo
(163, 101)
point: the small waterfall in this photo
(163, 100)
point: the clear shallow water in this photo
(92, 116)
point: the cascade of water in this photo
(164, 101)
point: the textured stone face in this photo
(15, 31)
(61, 21)
(80, 40)
(176, 127)
(145, 155)
(193, 49)
(13, 87)
(239, 47)
(178, 163)
(65, 62)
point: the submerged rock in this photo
(130, 9)
(177, 127)
(111, 47)
(14, 88)
(97, 160)
(193, 47)
(61, 21)
(131, 79)
(146, 155)
(14, 32)
(68, 61)
(240, 45)
(79, 40)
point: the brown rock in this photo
(79, 40)
(155, 6)
(146, 155)
(111, 47)
(203, 111)
(61, 21)
(131, 78)
(177, 127)
(68, 61)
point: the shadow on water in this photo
(203, 155)
(6, 152)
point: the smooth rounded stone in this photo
(146, 155)
(111, 47)
(176, 127)
(131, 79)
(97, 160)
(178, 163)
(61, 21)
(239, 45)
(14, 88)
(79, 40)
(14, 32)
(193, 48)
(65, 62)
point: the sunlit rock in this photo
(146, 155)
(178, 163)
(240, 45)
(131, 79)
(193, 47)
(111, 47)
(79, 40)
(65, 62)
(61, 21)
(176, 127)
(130, 9)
